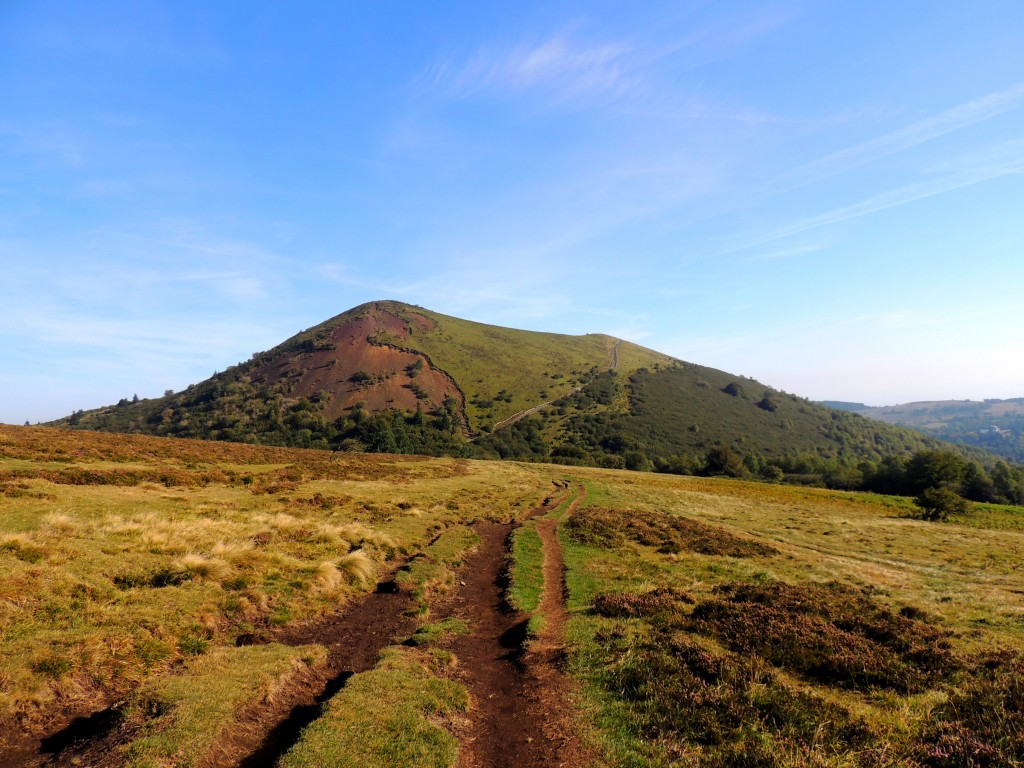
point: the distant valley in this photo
(995, 425)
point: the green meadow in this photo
(712, 622)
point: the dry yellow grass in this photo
(111, 581)
(108, 584)
(356, 566)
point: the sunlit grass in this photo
(198, 708)
(962, 575)
(386, 718)
(125, 559)
(109, 582)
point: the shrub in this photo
(721, 460)
(939, 503)
(632, 605)
(734, 389)
(679, 692)
(982, 723)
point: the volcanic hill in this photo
(388, 376)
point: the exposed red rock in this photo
(362, 361)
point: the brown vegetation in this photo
(830, 633)
(670, 534)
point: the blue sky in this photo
(828, 197)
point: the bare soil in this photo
(551, 691)
(521, 700)
(349, 353)
(354, 638)
(520, 713)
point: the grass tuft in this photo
(58, 522)
(429, 634)
(356, 566)
(22, 547)
(201, 567)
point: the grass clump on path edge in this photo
(384, 717)
(432, 573)
(527, 569)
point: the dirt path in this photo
(501, 726)
(519, 716)
(551, 689)
(354, 637)
(354, 640)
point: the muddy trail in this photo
(519, 714)
(354, 638)
(549, 687)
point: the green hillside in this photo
(389, 377)
(504, 370)
(687, 408)
(374, 358)
(995, 425)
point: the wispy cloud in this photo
(1007, 160)
(567, 68)
(781, 254)
(570, 69)
(960, 116)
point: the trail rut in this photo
(520, 714)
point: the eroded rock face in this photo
(362, 361)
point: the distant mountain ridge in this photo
(393, 377)
(994, 425)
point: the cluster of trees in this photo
(924, 471)
(930, 475)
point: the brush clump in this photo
(201, 567)
(357, 567)
(668, 533)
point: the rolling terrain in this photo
(391, 377)
(995, 425)
(169, 602)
